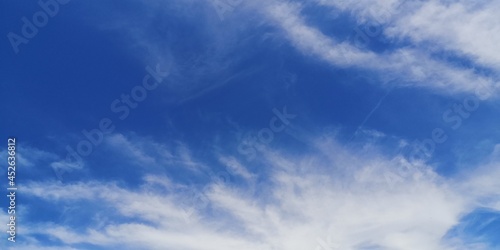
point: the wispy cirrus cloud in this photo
(328, 196)
(331, 195)
(147, 153)
(466, 28)
(415, 66)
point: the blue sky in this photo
(279, 124)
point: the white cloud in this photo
(236, 168)
(147, 153)
(462, 28)
(334, 196)
(412, 66)
(468, 28)
(29, 157)
(310, 40)
(132, 150)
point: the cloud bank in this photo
(329, 197)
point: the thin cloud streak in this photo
(412, 66)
